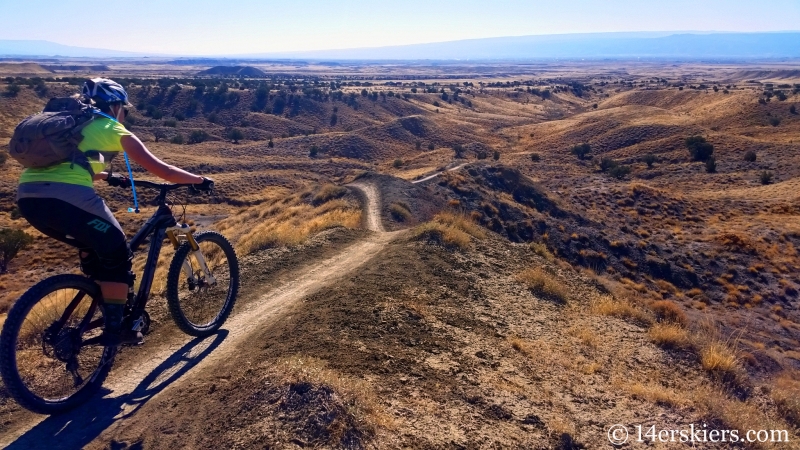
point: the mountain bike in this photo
(50, 360)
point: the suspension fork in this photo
(177, 235)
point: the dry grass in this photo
(669, 335)
(288, 220)
(786, 394)
(668, 311)
(357, 395)
(607, 305)
(544, 284)
(658, 394)
(720, 360)
(540, 248)
(450, 230)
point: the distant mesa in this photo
(240, 71)
(76, 68)
(22, 69)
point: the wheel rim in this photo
(56, 367)
(202, 302)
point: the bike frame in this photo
(162, 225)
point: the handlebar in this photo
(118, 181)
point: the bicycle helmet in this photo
(105, 91)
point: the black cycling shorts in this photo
(109, 257)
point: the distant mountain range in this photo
(662, 45)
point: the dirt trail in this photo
(148, 372)
(434, 175)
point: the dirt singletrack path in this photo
(184, 356)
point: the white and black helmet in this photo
(103, 90)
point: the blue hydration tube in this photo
(128, 164)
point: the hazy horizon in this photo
(208, 27)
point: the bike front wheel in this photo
(43, 363)
(202, 285)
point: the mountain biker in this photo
(61, 202)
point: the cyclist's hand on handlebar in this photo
(118, 181)
(207, 185)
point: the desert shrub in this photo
(12, 90)
(235, 135)
(399, 212)
(669, 335)
(177, 139)
(542, 283)
(781, 95)
(270, 144)
(11, 242)
(327, 193)
(449, 230)
(170, 123)
(180, 116)
(198, 136)
(459, 150)
(431, 146)
(607, 164)
(711, 164)
(15, 214)
(619, 172)
(496, 155)
(793, 109)
(649, 159)
(312, 153)
(334, 119)
(535, 157)
(418, 145)
(668, 311)
(699, 148)
(720, 360)
(213, 118)
(774, 121)
(581, 150)
(3, 158)
(481, 154)
(765, 177)
(607, 305)
(750, 156)
(397, 163)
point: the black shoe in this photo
(109, 338)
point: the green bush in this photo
(619, 171)
(699, 148)
(581, 150)
(11, 242)
(12, 90)
(750, 156)
(235, 135)
(607, 164)
(198, 136)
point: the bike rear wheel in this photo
(199, 303)
(42, 362)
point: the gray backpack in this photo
(52, 136)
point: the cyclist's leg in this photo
(104, 251)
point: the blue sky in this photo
(249, 26)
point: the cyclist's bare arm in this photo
(139, 153)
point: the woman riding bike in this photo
(61, 202)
